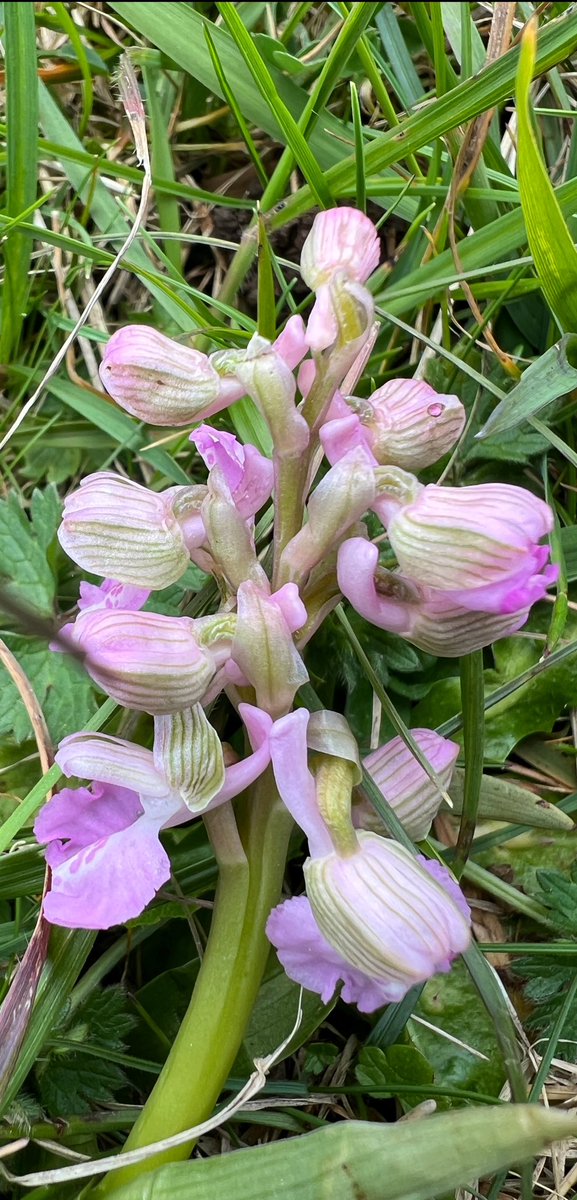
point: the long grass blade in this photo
(551, 244)
(291, 132)
(22, 132)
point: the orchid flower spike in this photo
(374, 916)
(103, 844)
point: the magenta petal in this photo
(288, 746)
(287, 599)
(110, 881)
(308, 958)
(322, 327)
(343, 434)
(257, 482)
(86, 814)
(292, 344)
(356, 566)
(111, 594)
(218, 448)
(241, 774)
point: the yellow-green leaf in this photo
(550, 242)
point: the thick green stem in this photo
(292, 473)
(290, 483)
(211, 1033)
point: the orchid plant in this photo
(373, 919)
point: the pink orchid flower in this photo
(103, 847)
(374, 916)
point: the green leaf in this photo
(366, 1159)
(24, 571)
(22, 120)
(46, 514)
(396, 1064)
(504, 801)
(273, 1018)
(550, 241)
(485, 90)
(532, 708)
(67, 953)
(451, 1003)
(77, 1083)
(569, 548)
(559, 895)
(513, 446)
(293, 136)
(61, 685)
(72, 1082)
(45, 463)
(551, 376)
(320, 1055)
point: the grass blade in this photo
(358, 128)
(472, 700)
(230, 98)
(551, 244)
(295, 139)
(486, 90)
(22, 132)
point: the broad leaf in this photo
(551, 376)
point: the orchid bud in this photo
(340, 252)
(230, 540)
(263, 646)
(343, 495)
(270, 383)
(410, 424)
(422, 615)
(405, 785)
(341, 321)
(341, 239)
(478, 545)
(146, 661)
(248, 474)
(117, 528)
(405, 423)
(159, 381)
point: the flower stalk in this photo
(251, 863)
